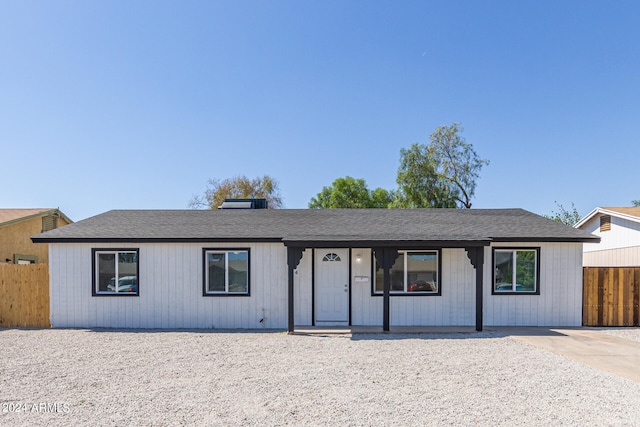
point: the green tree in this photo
(441, 174)
(635, 202)
(565, 216)
(350, 192)
(238, 187)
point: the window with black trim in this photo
(413, 273)
(115, 272)
(226, 272)
(516, 271)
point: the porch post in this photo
(476, 256)
(294, 255)
(386, 257)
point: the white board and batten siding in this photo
(560, 299)
(618, 247)
(302, 290)
(559, 302)
(453, 308)
(171, 283)
(170, 286)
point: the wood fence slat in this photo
(590, 296)
(636, 296)
(628, 277)
(24, 295)
(611, 296)
(616, 309)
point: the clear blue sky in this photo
(136, 104)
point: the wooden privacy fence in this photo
(611, 296)
(24, 295)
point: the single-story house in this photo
(16, 228)
(619, 232)
(281, 269)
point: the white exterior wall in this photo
(171, 291)
(559, 302)
(302, 290)
(618, 247)
(560, 299)
(365, 309)
(455, 307)
(170, 284)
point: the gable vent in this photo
(605, 223)
(49, 222)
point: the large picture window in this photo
(516, 271)
(226, 272)
(413, 273)
(115, 272)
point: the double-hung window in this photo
(115, 272)
(413, 273)
(226, 272)
(516, 271)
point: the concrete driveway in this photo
(592, 347)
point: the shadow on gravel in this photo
(427, 336)
(493, 332)
(354, 333)
(170, 331)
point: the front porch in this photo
(400, 330)
(385, 256)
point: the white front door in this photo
(332, 286)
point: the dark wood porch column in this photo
(294, 255)
(476, 256)
(386, 257)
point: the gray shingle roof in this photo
(302, 227)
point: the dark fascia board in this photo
(385, 243)
(592, 239)
(155, 240)
(291, 243)
(324, 243)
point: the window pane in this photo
(526, 271)
(106, 272)
(216, 267)
(422, 272)
(504, 270)
(238, 272)
(127, 272)
(379, 279)
(396, 273)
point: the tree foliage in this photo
(635, 202)
(350, 192)
(238, 187)
(441, 174)
(418, 184)
(565, 216)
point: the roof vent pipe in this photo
(244, 204)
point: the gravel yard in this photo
(164, 378)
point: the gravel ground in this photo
(632, 334)
(164, 378)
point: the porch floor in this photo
(346, 330)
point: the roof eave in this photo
(155, 240)
(372, 243)
(592, 239)
(37, 215)
(604, 211)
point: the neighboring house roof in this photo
(628, 213)
(315, 227)
(13, 216)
